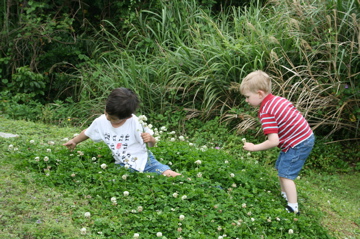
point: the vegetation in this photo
(185, 59)
(50, 192)
(181, 55)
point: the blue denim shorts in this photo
(152, 165)
(291, 162)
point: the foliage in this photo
(181, 55)
(225, 194)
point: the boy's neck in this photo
(117, 125)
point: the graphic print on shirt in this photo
(119, 146)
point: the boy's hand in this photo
(146, 137)
(249, 146)
(70, 144)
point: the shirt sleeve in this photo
(93, 132)
(268, 124)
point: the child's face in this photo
(254, 99)
(115, 121)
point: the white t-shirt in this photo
(125, 142)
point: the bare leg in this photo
(288, 186)
(170, 173)
(281, 185)
(282, 190)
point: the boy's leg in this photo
(289, 188)
(282, 190)
(291, 193)
(170, 173)
(156, 167)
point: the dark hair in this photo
(122, 102)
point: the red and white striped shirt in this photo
(278, 115)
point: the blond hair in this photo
(256, 80)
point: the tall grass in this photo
(185, 57)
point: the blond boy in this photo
(285, 127)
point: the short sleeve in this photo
(93, 132)
(268, 123)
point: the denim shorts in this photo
(291, 162)
(152, 165)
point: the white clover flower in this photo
(198, 162)
(127, 166)
(278, 219)
(191, 144)
(16, 149)
(170, 163)
(124, 176)
(182, 138)
(163, 128)
(126, 193)
(252, 219)
(203, 148)
(140, 208)
(172, 139)
(87, 214)
(291, 231)
(103, 166)
(73, 175)
(181, 217)
(226, 162)
(159, 234)
(243, 140)
(37, 158)
(234, 185)
(11, 147)
(93, 158)
(65, 139)
(32, 141)
(80, 153)
(199, 175)
(175, 195)
(113, 199)
(142, 118)
(76, 135)
(149, 126)
(46, 158)
(51, 143)
(136, 235)
(232, 175)
(172, 132)
(184, 197)
(48, 150)
(83, 231)
(248, 154)
(220, 237)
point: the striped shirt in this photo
(278, 115)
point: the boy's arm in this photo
(71, 144)
(271, 142)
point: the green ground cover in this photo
(224, 196)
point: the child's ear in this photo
(261, 94)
